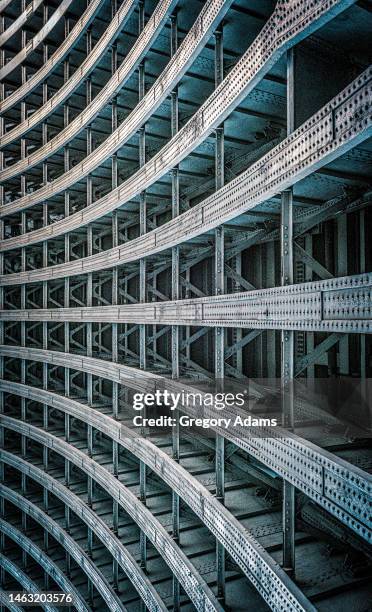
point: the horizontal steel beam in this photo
(342, 305)
(199, 34)
(265, 574)
(4, 601)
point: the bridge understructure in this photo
(185, 199)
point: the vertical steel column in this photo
(66, 158)
(2, 467)
(287, 337)
(142, 264)
(175, 296)
(115, 296)
(23, 287)
(270, 334)
(44, 129)
(362, 269)
(89, 290)
(219, 288)
(23, 231)
(342, 270)
(2, 501)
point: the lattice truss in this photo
(185, 192)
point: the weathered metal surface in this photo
(126, 69)
(195, 586)
(336, 128)
(58, 56)
(19, 22)
(25, 582)
(337, 305)
(138, 578)
(296, 21)
(65, 540)
(45, 562)
(271, 582)
(343, 489)
(32, 44)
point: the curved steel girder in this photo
(341, 488)
(342, 305)
(240, 195)
(26, 583)
(4, 4)
(130, 62)
(58, 56)
(209, 17)
(135, 574)
(194, 585)
(45, 562)
(338, 127)
(4, 600)
(69, 544)
(289, 23)
(20, 21)
(32, 44)
(266, 575)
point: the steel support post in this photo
(89, 294)
(66, 159)
(115, 300)
(2, 93)
(142, 270)
(342, 270)
(23, 288)
(44, 129)
(175, 296)
(219, 337)
(89, 286)
(2, 501)
(287, 337)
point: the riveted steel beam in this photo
(219, 520)
(214, 111)
(273, 447)
(44, 561)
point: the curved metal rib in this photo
(32, 44)
(4, 4)
(142, 44)
(45, 562)
(337, 305)
(19, 22)
(250, 556)
(243, 193)
(64, 539)
(243, 78)
(4, 601)
(198, 35)
(26, 583)
(194, 585)
(312, 469)
(57, 57)
(119, 552)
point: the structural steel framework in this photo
(184, 200)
